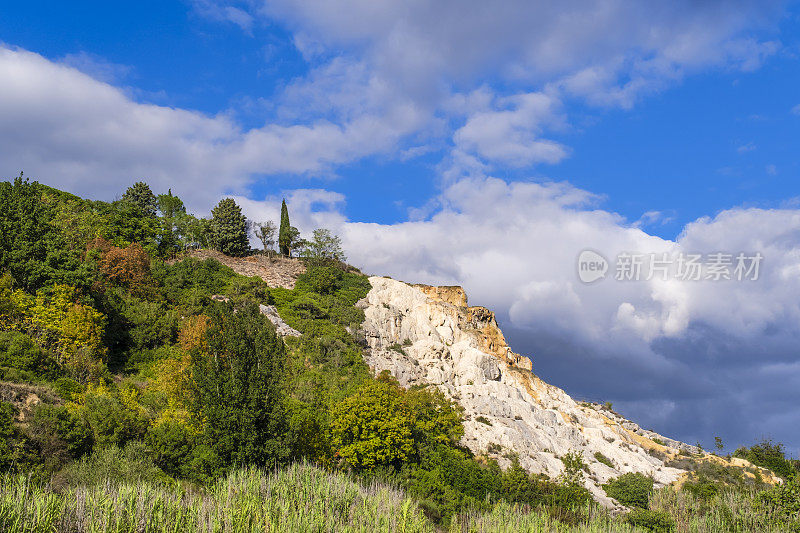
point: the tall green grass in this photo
(304, 498)
(299, 498)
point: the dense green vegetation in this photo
(157, 375)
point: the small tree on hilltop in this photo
(265, 232)
(296, 242)
(140, 195)
(170, 206)
(284, 234)
(325, 246)
(229, 228)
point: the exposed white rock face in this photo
(428, 335)
(271, 312)
(281, 328)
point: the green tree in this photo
(296, 242)
(140, 195)
(25, 233)
(768, 455)
(373, 427)
(229, 228)
(324, 247)
(265, 232)
(238, 388)
(170, 206)
(284, 236)
(172, 210)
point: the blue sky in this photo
(720, 138)
(421, 131)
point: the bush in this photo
(631, 489)
(768, 455)
(703, 489)
(113, 464)
(603, 459)
(783, 499)
(173, 444)
(16, 452)
(61, 434)
(114, 416)
(373, 427)
(655, 521)
(19, 351)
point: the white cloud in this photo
(78, 133)
(225, 13)
(749, 147)
(511, 135)
(431, 55)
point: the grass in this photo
(298, 498)
(305, 498)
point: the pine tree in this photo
(229, 228)
(284, 235)
(142, 197)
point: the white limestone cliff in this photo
(429, 335)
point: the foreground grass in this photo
(299, 498)
(304, 498)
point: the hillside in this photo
(426, 335)
(136, 358)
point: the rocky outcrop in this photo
(281, 328)
(275, 270)
(429, 335)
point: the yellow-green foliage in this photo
(373, 426)
(114, 415)
(58, 321)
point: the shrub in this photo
(113, 416)
(655, 521)
(703, 489)
(573, 468)
(373, 427)
(173, 444)
(113, 464)
(60, 434)
(783, 499)
(603, 459)
(631, 489)
(16, 452)
(19, 351)
(768, 455)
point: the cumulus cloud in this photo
(511, 135)
(76, 132)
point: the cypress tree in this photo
(284, 235)
(229, 228)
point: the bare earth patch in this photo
(276, 271)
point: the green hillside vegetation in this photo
(159, 407)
